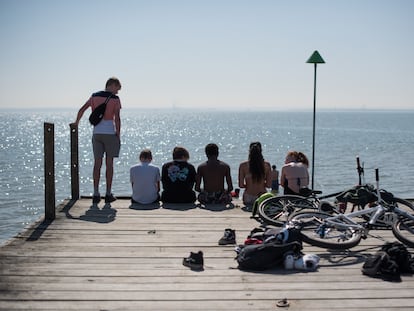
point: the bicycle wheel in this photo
(404, 205)
(315, 231)
(403, 230)
(276, 210)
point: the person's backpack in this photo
(382, 266)
(264, 256)
(402, 257)
(360, 194)
(272, 234)
(372, 265)
(98, 113)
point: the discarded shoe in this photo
(229, 237)
(308, 262)
(311, 262)
(195, 261)
(110, 198)
(284, 303)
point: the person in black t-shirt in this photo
(178, 178)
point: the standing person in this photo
(212, 173)
(294, 175)
(106, 135)
(274, 175)
(145, 180)
(254, 174)
(178, 178)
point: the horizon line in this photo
(258, 109)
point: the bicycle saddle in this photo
(306, 192)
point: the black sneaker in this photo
(229, 237)
(195, 261)
(96, 199)
(109, 198)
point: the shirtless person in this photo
(274, 176)
(254, 175)
(212, 173)
(294, 175)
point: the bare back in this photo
(295, 175)
(213, 173)
(253, 187)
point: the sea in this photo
(381, 139)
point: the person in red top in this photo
(106, 135)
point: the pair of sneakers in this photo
(196, 261)
(108, 198)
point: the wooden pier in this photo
(120, 257)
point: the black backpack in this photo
(380, 265)
(402, 257)
(264, 256)
(97, 115)
(272, 234)
(389, 263)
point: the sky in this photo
(209, 54)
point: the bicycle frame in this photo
(346, 220)
(375, 212)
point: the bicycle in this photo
(343, 231)
(276, 210)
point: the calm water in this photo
(381, 139)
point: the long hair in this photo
(301, 157)
(256, 162)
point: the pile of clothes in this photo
(389, 263)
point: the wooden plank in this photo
(260, 305)
(223, 284)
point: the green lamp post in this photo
(315, 59)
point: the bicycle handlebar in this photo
(360, 170)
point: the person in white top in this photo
(145, 180)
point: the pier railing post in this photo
(74, 161)
(49, 154)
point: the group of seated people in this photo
(212, 179)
